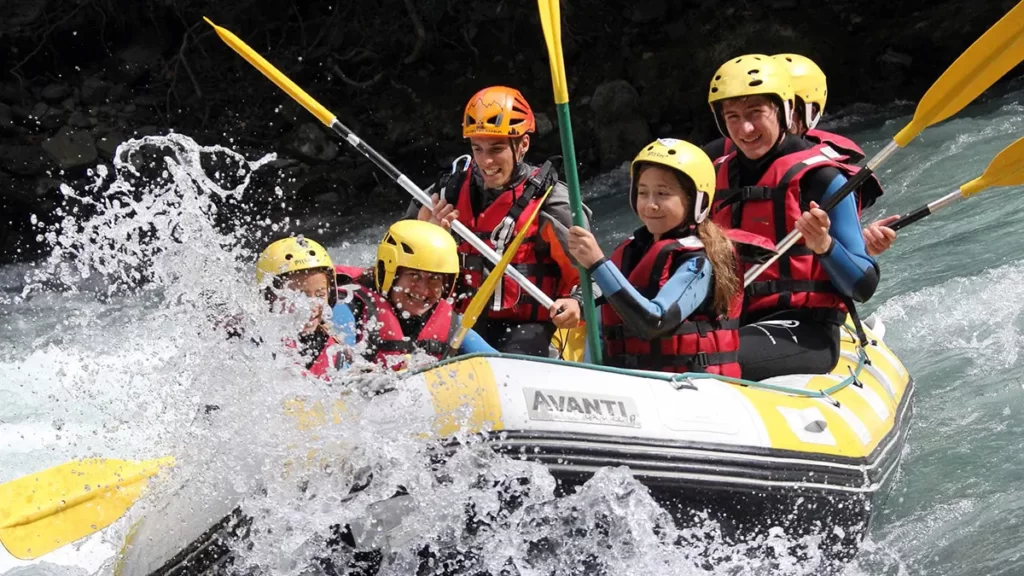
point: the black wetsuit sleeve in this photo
(815, 183)
(714, 149)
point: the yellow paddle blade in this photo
(483, 295)
(275, 75)
(1006, 169)
(987, 60)
(46, 510)
(551, 21)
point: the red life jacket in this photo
(845, 152)
(849, 149)
(770, 209)
(497, 225)
(380, 328)
(849, 154)
(327, 362)
(703, 342)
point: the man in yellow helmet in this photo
(770, 185)
(810, 90)
(299, 266)
(402, 304)
(493, 193)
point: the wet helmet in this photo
(417, 245)
(289, 255)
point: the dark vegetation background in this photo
(81, 76)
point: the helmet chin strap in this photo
(515, 155)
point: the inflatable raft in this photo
(811, 453)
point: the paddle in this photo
(331, 121)
(483, 295)
(551, 21)
(990, 57)
(46, 510)
(1006, 169)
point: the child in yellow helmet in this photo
(298, 265)
(671, 293)
(403, 304)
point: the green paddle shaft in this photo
(572, 179)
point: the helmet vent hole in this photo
(390, 240)
(312, 253)
(714, 89)
(671, 151)
(756, 82)
(717, 78)
(754, 71)
(288, 256)
(494, 120)
(408, 249)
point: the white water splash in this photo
(129, 358)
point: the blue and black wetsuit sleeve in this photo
(849, 267)
(685, 291)
(344, 324)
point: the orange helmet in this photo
(498, 111)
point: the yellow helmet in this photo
(681, 156)
(418, 245)
(289, 255)
(750, 75)
(809, 85)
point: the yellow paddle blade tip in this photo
(210, 22)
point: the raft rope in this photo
(679, 380)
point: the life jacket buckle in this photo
(755, 193)
(701, 359)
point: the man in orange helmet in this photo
(493, 192)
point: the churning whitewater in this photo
(115, 346)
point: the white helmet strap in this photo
(811, 118)
(701, 207)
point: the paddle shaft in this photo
(927, 210)
(576, 202)
(852, 184)
(422, 197)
